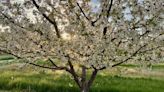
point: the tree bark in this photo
(84, 83)
(85, 89)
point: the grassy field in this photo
(17, 81)
(14, 79)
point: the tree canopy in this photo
(95, 34)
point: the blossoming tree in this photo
(94, 34)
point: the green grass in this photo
(27, 80)
(35, 82)
(6, 57)
(158, 66)
(32, 81)
(154, 66)
(125, 84)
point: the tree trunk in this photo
(84, 89)
(86, 84)
(82, 82)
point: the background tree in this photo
(93, 34)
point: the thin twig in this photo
(109, 9)
(83, 12)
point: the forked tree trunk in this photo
(82, 82)
(85, 89)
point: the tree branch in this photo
(12, 21)
(53, 22)
(42, 66)
(19, 25)
(18, 57)
(82, 11)
(83, 77)
(72, 72)
(151, 49)
(109, 9)
(52, 62)
(108, 13)
(93, 76)
(7, 52)
(130, 56)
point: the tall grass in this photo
(17, 81)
